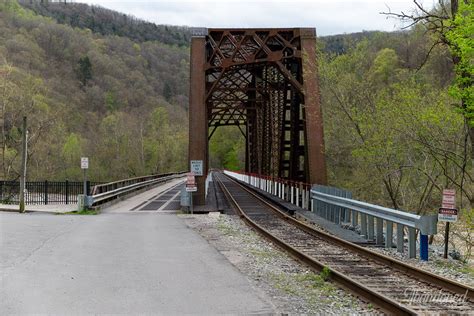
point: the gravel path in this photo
(293, 288)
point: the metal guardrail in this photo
(294, 192)
(337, 205)
(339, 209)
(120, 188)
(109, 186)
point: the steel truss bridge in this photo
(265, 82)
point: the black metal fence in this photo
(43, 192)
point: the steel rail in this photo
(380, 300)
(383, 302)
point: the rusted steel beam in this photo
(198, 127)
(265, 79)
(314, 137)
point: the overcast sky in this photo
(328, 16)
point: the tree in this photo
(452, 27)
(84, 71)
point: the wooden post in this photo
(23, 167)
(446, 241)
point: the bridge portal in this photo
(265, 82)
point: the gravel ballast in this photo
(293, 288)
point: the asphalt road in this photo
(127, 263)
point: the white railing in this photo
(297, 193)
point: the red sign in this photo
(449, 199)
(191, 182)
(448, 211)
(190, 179)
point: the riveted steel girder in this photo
(264, 81)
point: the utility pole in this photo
(24, 154)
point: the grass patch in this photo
(263, 254)
(312, 287)
(467, 269)
(83, 212)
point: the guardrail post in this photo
(355, 218)
(347, 215)
(363, 225)
(400, 229)
(423, 247)
(370, 225)
(389, 234)
(411, 242)
(379, 234)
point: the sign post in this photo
(448, 213)
(191, 187)
(84, 167)
(24, 155)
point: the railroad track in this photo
(391, 285)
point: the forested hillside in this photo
(122, 102)
(107, 22)
(114, 88)
(398, 122)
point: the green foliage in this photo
(325, 274)
(461, 42)
(227, 148)
(385, 64)
(117, 115)
(403, 141)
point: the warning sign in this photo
(448, 211)
(191, 185)
(448, 215)
(449, 199)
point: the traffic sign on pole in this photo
(84, 163)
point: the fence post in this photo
(88, 187)
(46, 192)
(67, 192)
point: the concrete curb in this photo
(30, 211)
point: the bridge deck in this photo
(145, 261)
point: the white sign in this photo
(191, 188)
(197, 167)
(84, 163)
